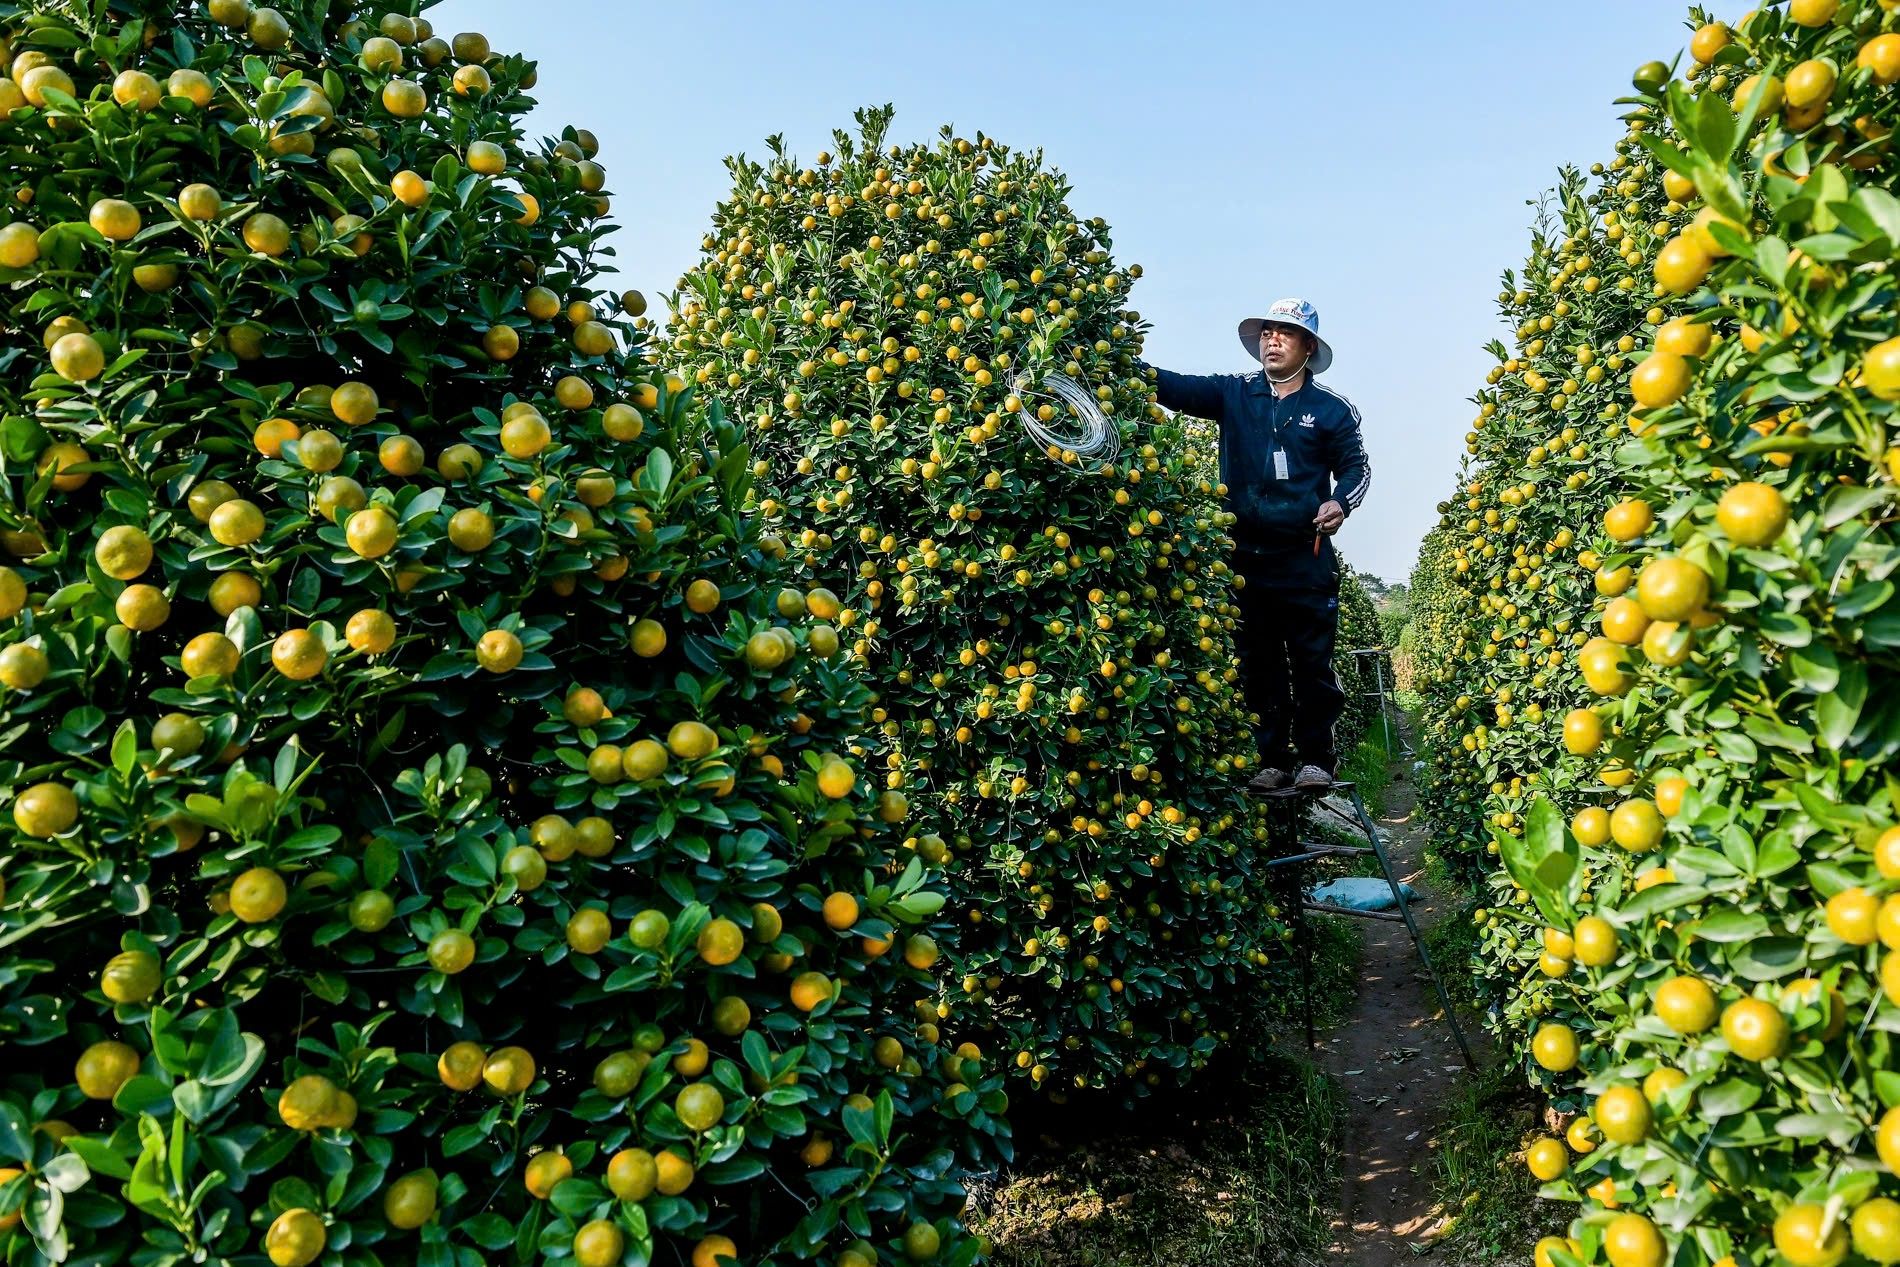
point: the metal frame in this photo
(1286, 850)
(1386, 702)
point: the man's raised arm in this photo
(1198, 395)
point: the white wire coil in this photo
(1082, 429)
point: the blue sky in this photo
(1375, 157)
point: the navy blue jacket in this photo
(1317, 429)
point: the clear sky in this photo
(1375, 157)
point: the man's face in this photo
(1284, 348)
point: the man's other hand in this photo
(1330, 516)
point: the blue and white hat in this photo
(1288, 312)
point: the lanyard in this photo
(1274, 427)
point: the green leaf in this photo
(1543, 861)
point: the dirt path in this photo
(1399, 1066)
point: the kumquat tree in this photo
(432, 832)
(1661, 620)
(1049, 632)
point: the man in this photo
(1295, 467)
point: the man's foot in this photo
(1270, 780)
(1312, 778)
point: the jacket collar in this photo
(1261, 387)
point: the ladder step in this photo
(1327, 908)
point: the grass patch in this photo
(1240, 1167)
(1369, 766)
(1480, 1176)
(1337, 940)
(1453, 940)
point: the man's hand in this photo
(1330, 516)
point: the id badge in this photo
(1279, 464)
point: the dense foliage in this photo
(1050, 637)
(1703, 957)
(431, 833)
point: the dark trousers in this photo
(1286, 661)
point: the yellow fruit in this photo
(836, 779)
(1799, 1237)
(1605, 665)
(266, 234)
(299, 654)
(699, 1106)
(597, 1242)
(370, 631)
(509, 1071)
(313, 1103)
(1682, 265)
(410, 188)
(1880, 369)
(1591, 825)
(1583, 731)
(1547, 1159)
(460, 1066)
(1555, 1047)
(921, 1242)
(116, 219)
(525, 435)
(648, 638)
(498, 651)
(589, 930)
(720, 942)
(1685, 1004)
(1623, 1115)
(544, 1172)
(236, 523)
(632, 1174)
(45, 810)
(1752, 514)
(1671, 588)
(404, 98)
(78, 358)
(200, 202)
(1709, 40)
(355, 403)
(103, 1068)
(142, 608)
(1628, 519)
(295, 1238)
(1661, 380)
(23, 666)
(1810, 84)
(123, 552)
(208, 654)
(451, 951)
(675, 1173)
(715, 1251)
(258, 895)
(1881, 55)
(702, 596)
(1631, 1240)
(691, 740)
(810, 990)
(1852, 916)
(410, 1202)
(19, 245)
(1636, 825)
(1755, 1029)
(1876, 1230)
(840, 911)
(1812, 13)
(131, 976)
(1624, 621)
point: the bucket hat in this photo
(1289, 312)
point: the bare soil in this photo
(1399, 1066)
